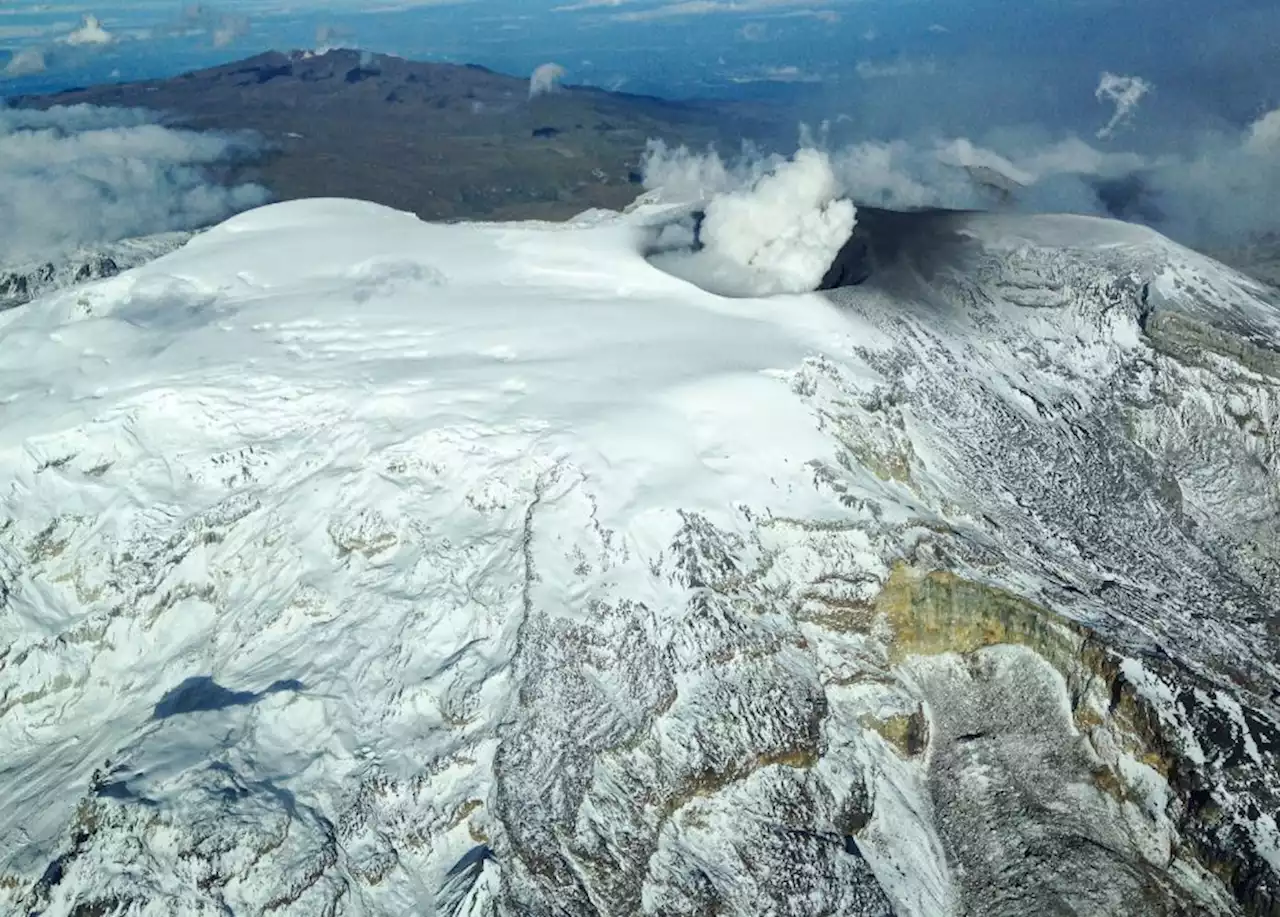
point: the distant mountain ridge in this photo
(445, 141)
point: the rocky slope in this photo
(21, 283)
(365, 566)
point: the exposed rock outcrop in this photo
(21, 283)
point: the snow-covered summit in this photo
(358, 565)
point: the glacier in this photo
(351, 564)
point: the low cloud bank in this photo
(1216, 191)
(82, 175)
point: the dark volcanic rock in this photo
(880, 236)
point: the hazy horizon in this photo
(1167, 114)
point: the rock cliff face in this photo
(1115, 734)
(542, 583)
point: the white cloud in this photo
(1073, 156)
(545, 78)
(1217, 190)
(1124, 92)
(786, 74)
(773, 226)
(90, 32)
(786, 228)
(588, 5)
(759, 30)
(222, 27)
(1264, 134)
(887, 174)
(228, 31)
(683, 176)
(25, 11)
(25, 62)
(963, 153)
(711, 7)
(80, 175)
(897, 175)
(329, 37)
(895, 69)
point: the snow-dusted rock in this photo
(355, 565)
(22, 282)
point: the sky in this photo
(1178, 93)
